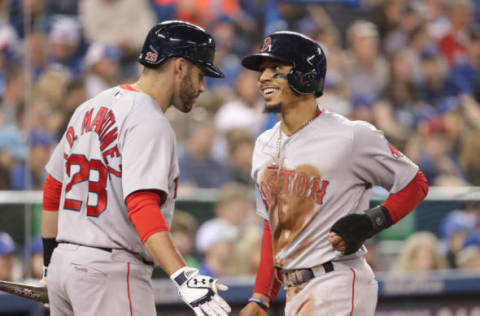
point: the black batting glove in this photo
(356, 228)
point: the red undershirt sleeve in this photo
(52, 191)
(403, 202)
(145, 214)
(266, 282)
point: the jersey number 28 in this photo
(83, 174)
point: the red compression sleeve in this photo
(403, 202)
(145, 214)
(266, 282)
(52, 191)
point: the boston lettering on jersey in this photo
(103, 124)
(293, 183)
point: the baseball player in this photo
(112, 186)
(313, 172)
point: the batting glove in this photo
(200, 292)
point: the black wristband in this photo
(259, 302)
(380, 218)
(49, 244)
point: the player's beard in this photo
(276, 108)
(188, 94)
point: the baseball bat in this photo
(36, 293)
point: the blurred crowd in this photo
(410, 67)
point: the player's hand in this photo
(253, 309)
(200, 292)
(43, 281)
(337, 242)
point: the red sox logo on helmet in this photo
(266, 44)
(151, 56)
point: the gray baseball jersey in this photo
(116, 143)
(307, 181)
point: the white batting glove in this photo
(200, 292)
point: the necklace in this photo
(279, 138)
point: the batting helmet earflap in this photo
(176, 38)
(304, 54)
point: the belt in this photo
(111, 250)
(299, 276)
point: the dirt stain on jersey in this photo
(292, 197)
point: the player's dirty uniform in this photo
(116, 143)
(304, 184)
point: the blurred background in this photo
(410, 67)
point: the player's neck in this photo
(298, 116)
(159, 88)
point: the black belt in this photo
(299, 276)
(111, 250)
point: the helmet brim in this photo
(208, 68)
(211, 70)
(253, 61)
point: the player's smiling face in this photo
(273, 84)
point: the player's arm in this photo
(198, 291)
(376, 162)
(145, 214)
(267, 284)
(52, 191)
(348, 233)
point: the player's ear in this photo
(180, 66)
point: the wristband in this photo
(259, 302)
(49, 245)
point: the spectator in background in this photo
(7, 257)
(453, 43)
(37, 16)
(230, 223)
(199, 168)
(456, 226)
(247, 251)
(14, 94)
(30, 175)
(224, 33)
(64, 40)
(470, 158)
(434, 71)
(102, 67)
(420, 253)
(366, 69)
(335, 96)
(76, 94)
(465, 72)
(394, 113)
(468, 258)
(241, 144)
(216, 240)
(436, 161)
(51, 87)
(245, 110)
(36, 52)
(122, 23)
(183, 230)
(36, 259)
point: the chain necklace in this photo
(279, 138)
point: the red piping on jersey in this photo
(145, 214)
(128, 87)
(317, 114)
(52, 191)
(353, 291)
(403, 202)
(128, 289)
